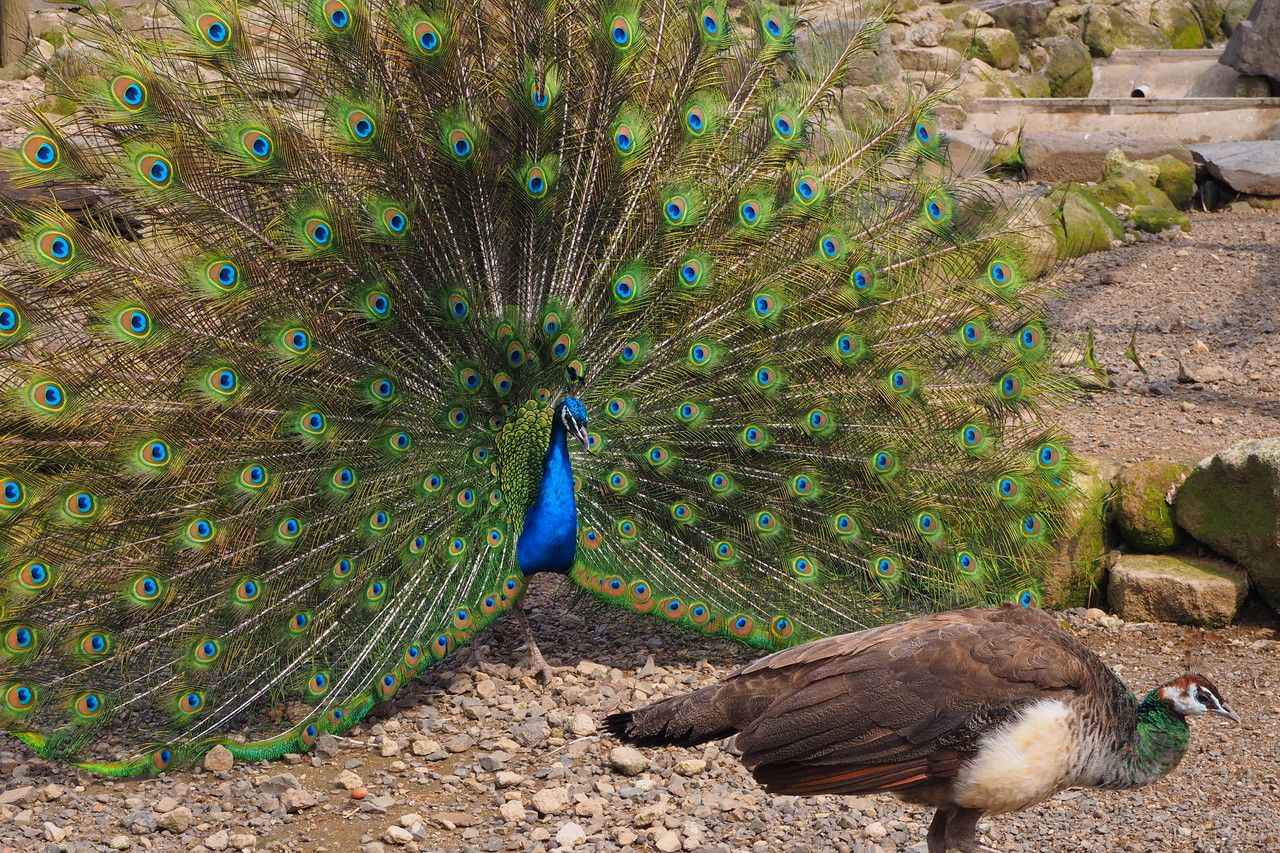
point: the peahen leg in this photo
(937, 837)
(961, 832)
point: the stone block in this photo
(1167, 588)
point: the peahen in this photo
(386, 308)
(971, 711)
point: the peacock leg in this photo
(962, 832)
(537, 663)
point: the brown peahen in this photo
(415, 301)
(971, 711)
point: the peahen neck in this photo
(1159, 743)
(549, 537)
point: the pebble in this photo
(628, 760)
(550, 801)
(219, 759)
(570, 834)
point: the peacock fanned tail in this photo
(272, 417)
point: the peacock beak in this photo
(1226, 711)
(580, 433)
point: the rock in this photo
(691, 767)
(1130, 184)
(19, 796)
(1234, 13)
(176, 820)
(243, 841)
(513, 811)
(1025, 18)
(53, 833)
(1057, 157)
(348, 780)
(1165, 588)
(1143, 514)
(1106, 29)
(397, 835)
(936, 60)
(1069, 68)
(1178, 20)
(328, 746)
(277, 785)
(120, 842)
(219, 759)
(295, 801)
(425, 746)
(628, 760)
(1087, 226)
(1153, 219)
(1075, 569)
(1254, 47)
(570, 834)
(1174, 178)
(220, 840)
(550, 801)
(668, 842)
(1231, 502)
(582, 724)
(1247, 167)
(998, 48)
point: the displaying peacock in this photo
(386, 308)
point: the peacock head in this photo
(573, 415)
(1194, 694)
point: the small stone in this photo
(328, 746)
(175, 820)
(295, 800)
(243, 841)
(550, 801)
(582, 725)
(220, 840)
(54, 833)
(408, 820)
(507, 779)
(456, 819)
(424, 746)
(691, 767)
(397, 835)
(628, 760)
(166, 804)
(277, 785)
(513, 811)
(668, 842)
(625, 836)
(570, 834)
(349, 780)
(875, 830)
(17, 796)
(389, 748)
(139, 823)
(461, 743)
(120, 842)
(219, 759)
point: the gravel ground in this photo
(468, 761)
(1203, 312)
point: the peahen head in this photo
(573, 415)
(1192, 694)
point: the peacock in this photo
(386, 307)
(972, 712)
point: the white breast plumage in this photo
(1023, 761)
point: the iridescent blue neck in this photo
(549, 539)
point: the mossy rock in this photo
(1231, 502)
(1179, 21)
(1129, 187)
(1069, 68)
(1153, 219)
(1106, 29)
(1087, 226)
(1075, 569)
(1177, 180)
(1144, 518)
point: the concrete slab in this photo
(1185, 119)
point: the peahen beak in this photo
(1226, 711)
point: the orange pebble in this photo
(359, 793)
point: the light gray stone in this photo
(551, 801)
(219, 759)
(1165, 588)
(628, 760)
(1254, 47)
(1252, 168)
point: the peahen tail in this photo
(305, 424)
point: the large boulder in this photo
(1026, 18)
(1178, 20)
(1087, 226)
(1069, 67)
(1165, 588)
(1106, 29)
(1254, 47)
(1247, 167)
(1231, 502)
(996, 47)
(1144, 515)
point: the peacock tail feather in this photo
(283, 444)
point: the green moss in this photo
(1154, 219)
(1143, 515)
